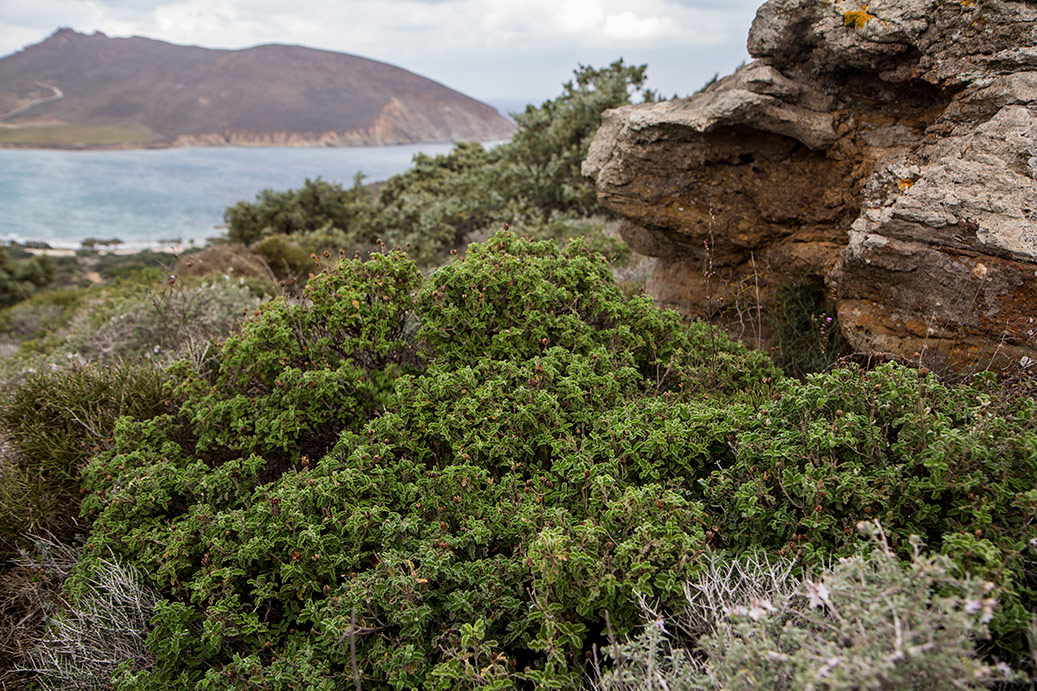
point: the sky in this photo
(493, 50)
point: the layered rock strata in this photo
(888, 148)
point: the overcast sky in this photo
(491, 49)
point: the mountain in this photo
(78, 90)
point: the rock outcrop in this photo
(890, 148)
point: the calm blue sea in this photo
(145, 197)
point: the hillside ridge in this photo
(127, 92)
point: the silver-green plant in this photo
(865, 622)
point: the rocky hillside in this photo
(888, 148)
(73, 89)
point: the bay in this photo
(145, 197)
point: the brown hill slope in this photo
(78, 90)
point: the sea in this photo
(149, 198)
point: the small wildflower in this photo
(759, 608)
(818, 594)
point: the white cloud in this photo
(484, 47)
(627, 25)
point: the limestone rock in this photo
(890, 148)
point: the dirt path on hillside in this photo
(57, 95)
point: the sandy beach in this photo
(69, 252)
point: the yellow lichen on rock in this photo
(857, 18)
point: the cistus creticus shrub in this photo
(467, 479)
(420, 482)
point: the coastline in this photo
(121, 251)
(217, 141)
(144, 196)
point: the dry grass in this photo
(230, 259)
(30, 594)
(49, 640)
(72, 136)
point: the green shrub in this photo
(441, 481)
(317, 204)
(947, 463)
(542, 161)
(512, 299)
(806, 331)
(20, 279)
(435, 206)
(41, 313)
(139, 267)
(436, 203)
(284, 255)
(351, 479)
(54, 421)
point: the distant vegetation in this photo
(532, 182)
(494, 470)
(19, 279)
(73, 137)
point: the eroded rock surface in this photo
(890, 148)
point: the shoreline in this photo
(121, 251)
(163, 146)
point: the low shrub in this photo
(177, 319)
(40, 314)
(869, 621)
(229, 259)
(444, 481)
(284, 255)
(317, 204)
(950, 464)
(134, 267)
(405, 479)
(807, 337)
(21, 278)
(131, 321)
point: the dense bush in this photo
(410, 471)
(952, 465)
(435, 204)
(317, 204)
